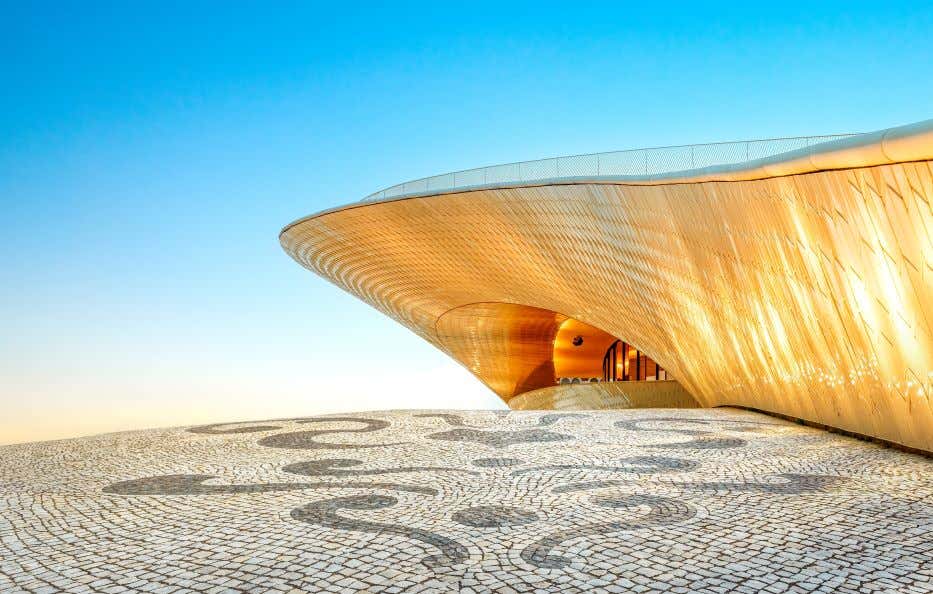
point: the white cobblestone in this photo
(440, 501)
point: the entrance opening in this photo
(585, 354)
(623, 362)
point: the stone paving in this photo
(647, 501)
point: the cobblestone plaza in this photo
(719, 500)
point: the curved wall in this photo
(584, 360)
(606, 395)
(508, 347)
(515, 348)
(809, 294)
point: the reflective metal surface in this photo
(801, 285)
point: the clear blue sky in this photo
(150, 153)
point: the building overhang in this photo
(800, 283)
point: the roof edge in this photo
(900, 144)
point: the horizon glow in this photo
(149, 155)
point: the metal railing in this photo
(635, 163)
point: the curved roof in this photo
(772, 157)
(800, 283)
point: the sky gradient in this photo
(150, 154)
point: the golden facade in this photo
(801, 286)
